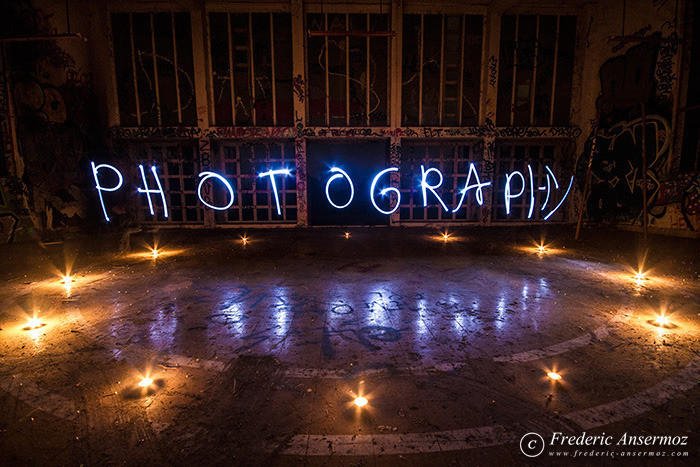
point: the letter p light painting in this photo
(100, 188)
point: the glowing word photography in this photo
(334, 233)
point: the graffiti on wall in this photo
(617, 170)
(301, 131)
(11, 188)
(679, 199)
(54, 108)
(14, 215)
(641, 78)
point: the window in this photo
(512, 156)
(251, 68)
(154, 69)
(536, 70)
(347, 75)
(177, 167)
(452, 159)
(441, 69)
(254, 200)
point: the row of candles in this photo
(360, 401)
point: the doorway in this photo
(361, 160)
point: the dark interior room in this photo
(332, 232)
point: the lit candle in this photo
(662, 320)
(34, 323)
(360, 401)
(145, 382)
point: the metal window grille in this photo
(513, 156)
(535, 70)
(441, 75)
(452, 159)
(348, 77)
(155, 69)
(251, 68)
(177, 168)
(254, 201)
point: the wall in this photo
(622, 76)
(66, 105)
(54, 125)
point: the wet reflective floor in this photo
(218, 349)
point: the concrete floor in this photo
(257, 350)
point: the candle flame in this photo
(145, 382)
(33, 323)
(360, 401)
(67, 282)
(662, 320)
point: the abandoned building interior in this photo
(240, 88)
(337, 232)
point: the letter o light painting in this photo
(340, 174)
(207, 175)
